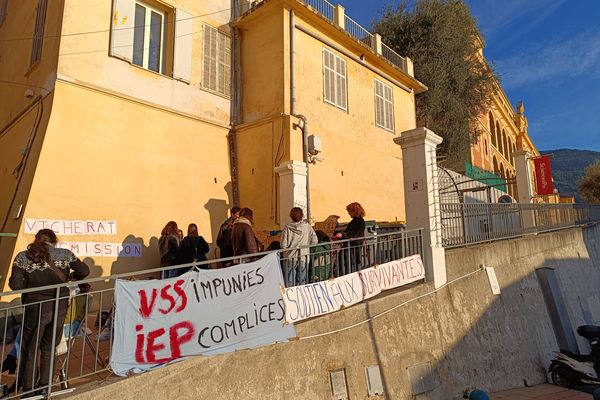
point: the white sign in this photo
(320, 298)
(202, 312)
(71, 227)
(102, 249)
(491, 274)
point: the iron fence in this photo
(393, 57)
(358, 32)
(323, 7)
(464, 223)
(80, 350)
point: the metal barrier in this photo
(81, 348)
(476, 223)
(358, 32)
(393, 57)
(323, 7)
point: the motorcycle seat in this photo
(589, 331)
(578, 357)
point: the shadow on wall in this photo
(218, 211)
(131, 261)
(493, 342)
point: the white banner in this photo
(71, 227)
(320, 298)
(103, 249)
(202, 312)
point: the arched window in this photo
(492, 128)
(495, 165)
(502, 170)
(497, 144)
(485, 147)
(504, 144)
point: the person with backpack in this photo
(224, 236)
(193, 248)
(43, 264)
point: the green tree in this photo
(589, 185)
(442, 39)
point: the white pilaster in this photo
(339, 16)
(422, 199)
(292, 188)
(524, 187)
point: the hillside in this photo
(567, 168)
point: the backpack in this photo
(224, 236)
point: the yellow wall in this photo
(361, 162)
(85, 58)
(22, 89)
(133, 164)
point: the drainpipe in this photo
(293, 111)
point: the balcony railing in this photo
(354, 29)
(323, 7)
(359, 33)
(464, 224)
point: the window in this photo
(38, 34)
(149, 38)
(216, 68)
(384, 106)
(3, 10)
(334, 80)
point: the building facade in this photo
(118, 116)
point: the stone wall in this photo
(459, 337)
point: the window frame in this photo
(222, 68)
(3, 11)
(385, 102)
(333, 72)
(37, 40)
(163, 68)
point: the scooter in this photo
(570, 369)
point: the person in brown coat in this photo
(243, 238)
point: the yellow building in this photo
(118, 116)
(504, 131)
(355, 94)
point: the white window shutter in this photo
(123, 17)
(184, 29)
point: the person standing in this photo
(193, 249)
(355, 229)
(296, 234)
(224, 236)
(243, 238)
(168, 245)
(43, 264)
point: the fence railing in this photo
(358, 32)
(476, 223)
(324, 8)
(393, 57)
(81, 347)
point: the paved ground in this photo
(541, 392)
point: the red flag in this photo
(543, 175)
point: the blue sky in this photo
(547, 53)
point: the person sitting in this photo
(321, 257)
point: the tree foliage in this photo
(442, 39)
(589, 185)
